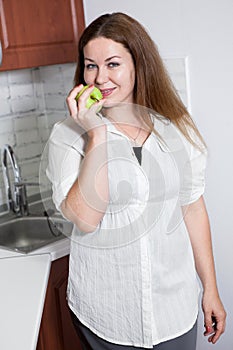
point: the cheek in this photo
(119, 76)
(130, 75)
(89, 77)
(87, 81)
(132, 78)
(125, 78)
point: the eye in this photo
(113, 64)
(90, 66)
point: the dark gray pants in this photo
(91, 341)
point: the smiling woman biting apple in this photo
(128, 169)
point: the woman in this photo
(129, 173)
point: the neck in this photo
(128, 129)
(122, 113)
(129, 121)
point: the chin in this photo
(110, 104)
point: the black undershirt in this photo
(138, 153)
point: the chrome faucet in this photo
(17, 202)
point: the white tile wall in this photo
(32, 100)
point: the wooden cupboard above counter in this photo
(39, 32)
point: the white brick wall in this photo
(31, 101)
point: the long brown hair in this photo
(153, 86)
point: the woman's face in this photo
(109, 66)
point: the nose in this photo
(102, 76)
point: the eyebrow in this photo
(107, 59)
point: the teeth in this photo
(104, 91)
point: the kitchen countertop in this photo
(24, 279)
(23, 288)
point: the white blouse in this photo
(133, 281)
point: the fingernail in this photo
(208, 330)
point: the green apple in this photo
(95, 96)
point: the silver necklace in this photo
(134, 139)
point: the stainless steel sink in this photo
(26, 234)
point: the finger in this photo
(82, 100)
(220, 328)
(208, 322)
(214, 337)
(71, 102)
(97, 106)
(210, 339)
(74, 92)
(208, 330)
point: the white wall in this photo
(203, 30)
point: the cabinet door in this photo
(57, 331)
(39, 32)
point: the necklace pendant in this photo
(134, 143)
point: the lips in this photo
(106, 92)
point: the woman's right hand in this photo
(87, 118)
(87, 199)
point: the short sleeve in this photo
(190, 161)
(193, 178)
(64, 160)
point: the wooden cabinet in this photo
(39, 32)
(57, 331)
